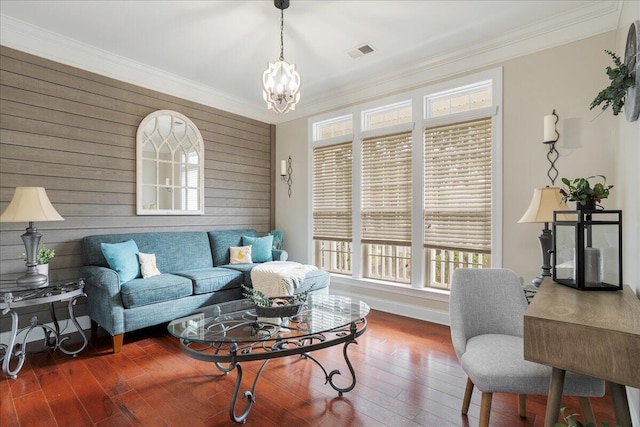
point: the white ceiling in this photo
(214, 52)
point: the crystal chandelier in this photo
(281, 81)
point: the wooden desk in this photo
(595, 333)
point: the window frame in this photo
(418, 124)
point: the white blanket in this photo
(279, 278)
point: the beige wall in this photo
(566, 79)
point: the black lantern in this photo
(587, 249)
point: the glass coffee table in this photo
(230, 333)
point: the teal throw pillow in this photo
(260, 247)
(123, 258)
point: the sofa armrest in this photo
(104, 278)
(104, 303)
(279, 255)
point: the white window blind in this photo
(386, 189)
(332, 194)
(458, 186)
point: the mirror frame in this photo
(142, 137)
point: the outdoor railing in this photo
(392, 263)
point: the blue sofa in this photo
(196, 272)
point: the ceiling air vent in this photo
(360, 51)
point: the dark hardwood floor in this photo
(407, 375)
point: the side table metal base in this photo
(16, 351)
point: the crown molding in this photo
(594, 18)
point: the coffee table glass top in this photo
(236, 321)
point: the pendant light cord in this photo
(281, 34)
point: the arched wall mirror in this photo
(170, 165)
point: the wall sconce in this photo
(285, 172)
(551, 136)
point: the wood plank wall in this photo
(73, 132)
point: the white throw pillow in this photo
(148, 265)
(240, 254)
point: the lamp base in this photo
(546, 245)
(32, 280)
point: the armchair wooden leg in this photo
(485, 409)
(587, 410)
(467, 396)
(117, 342)
(522, 405)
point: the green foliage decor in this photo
(572, 422)
(580, 190)
(43, 256)
(614, 94)
(259, 299)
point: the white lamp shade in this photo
(30, 204)
(545, 200)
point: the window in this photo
(332, 198)
(387, 115)
(457, 197)
(466, 98)
(415, 192)
(334, 127)
(386, 207)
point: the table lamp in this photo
(545, 200)
(30, 204)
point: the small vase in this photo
(590, 206)
(44, 269)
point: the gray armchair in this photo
(487, 321)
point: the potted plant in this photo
(580, 191)
(614, 94)
(43, 257)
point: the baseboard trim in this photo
(393, 307)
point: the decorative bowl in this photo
(280, 307)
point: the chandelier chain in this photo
(281, 34)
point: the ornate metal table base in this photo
(18, 350)
(233, 354)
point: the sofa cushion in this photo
(212, 279)
(222, 240)
(245, 269)
(165, 287)
(260, 247)
(123, 258)
(174, 251)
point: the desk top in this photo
(590, 332)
